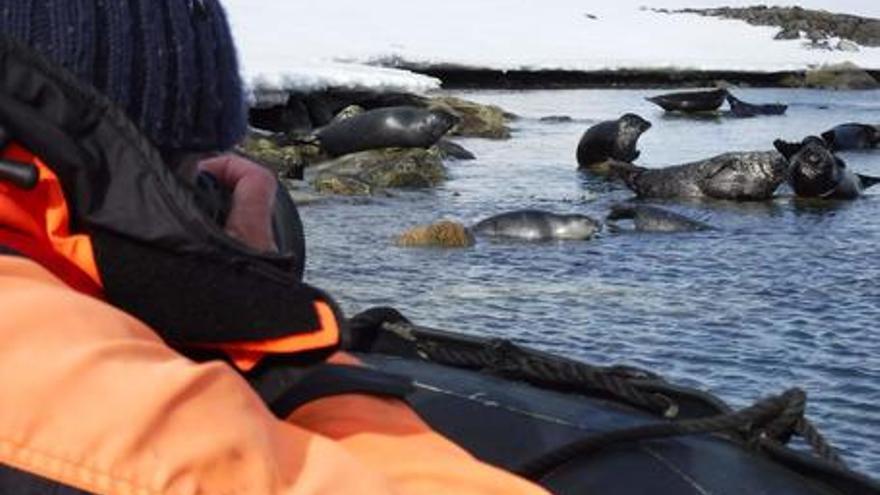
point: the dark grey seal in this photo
(741, 176)
(652, 219)
(611, 139)
(392, 127)
(739, 108)
(690, 101)
(815, 172)
(852, 136)
(538, 225)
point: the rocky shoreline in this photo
(454, 78)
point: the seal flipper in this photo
(867, 181)
(828, 137)
(787, 149)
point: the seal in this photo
(815, 172)
(391, 127)
(690, 101)
(852, 136)
(611, 140)
(740, 176)
(739, 108)
(537, 225)
(652, 219)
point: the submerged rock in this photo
(445, 233)
(366, 172)
(477, 120)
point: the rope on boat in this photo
(773, 419)
(504, 358)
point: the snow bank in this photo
(300, 44)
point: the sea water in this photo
(784, 293)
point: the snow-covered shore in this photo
(312, 44)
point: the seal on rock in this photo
(611, 140)
(741, 176)
(852, 136)
(815, 172)
(652, 219)
(391, 127)
(538, 225)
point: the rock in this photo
(485, 121)
(347, 113)
(445, 233)
(449, 149)
(342, 185)
(368, 171)
(840, 76)
(846, 46)
(556, 119)
(788, 33)
(287, 161)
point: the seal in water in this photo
(652, 219)
(690, 101)
(742, 176)
(611, 139)
(852, 136)
(537, 225)
(740, 108)
(815, 172)
(391, 127)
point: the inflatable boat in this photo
(581, 429)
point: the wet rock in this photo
(556, 119)
(452, 150)
(287, 161)
(840, 76)
(342, 185)
(445, 234)
(366, 172)
(477, 120)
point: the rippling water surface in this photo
(783, 294)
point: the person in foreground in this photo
(142, 341)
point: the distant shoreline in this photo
(472, 78)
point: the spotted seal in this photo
(537, 225)
(741, 176)
(816, 172)
(852, 136)
(652, 219)
(611, 140)
(391, 127)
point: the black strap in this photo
(329, 380)
(8, 251)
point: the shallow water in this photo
(784, 294)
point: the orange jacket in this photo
(95, 400)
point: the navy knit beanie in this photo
(171, 64)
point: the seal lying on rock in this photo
(690, 101)
(392, 127)
(815, 172)
(742, 176)
(852, 136)
(611, 139)
(537, 225)
(740, 108)
(652, 219)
